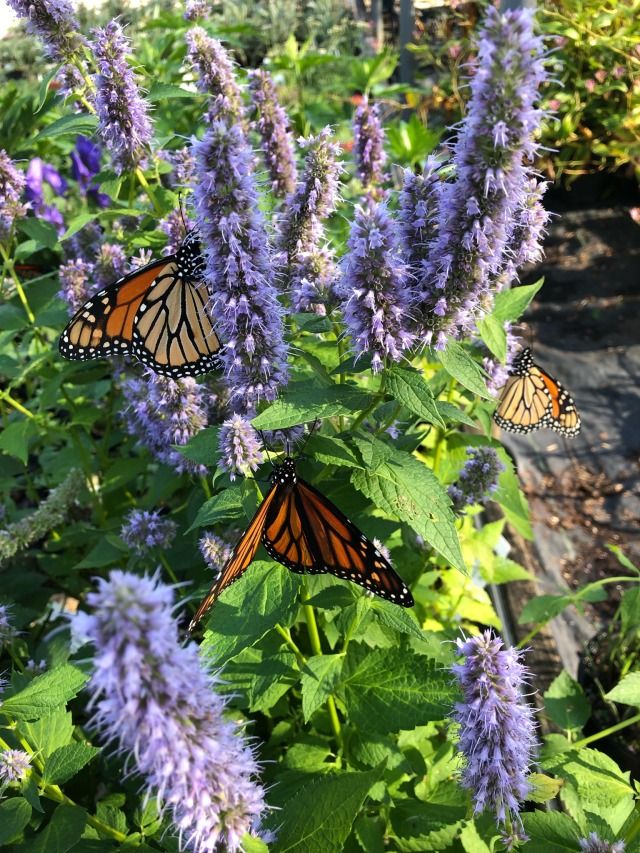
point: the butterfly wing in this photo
(242, 555)
(172, 331)
(308, 533)
(562, 415)
(524, 403)
(104, 324)
(152, 314)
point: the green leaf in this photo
(272, 678)
(332, 451)
(14, 439)
(62, 832)
(69, 125)
(459, 364)
(386, 690)
(77, 224)
(626, 691)
(224, 506)
(493, 334)
(404, 487)
(370, 833)
(15, 814)
(422, 827)
(103, 553)
(319, 677)
(551, 832)
(303, 402)
(202, 448)
(543, 788)
(39, 230)
(399, 618)
(44, 89)
(265, 595)
(566, 703)
(411, 389)
(251, 844)
(44, 693)
(168, 91)
(542, 608)
(319, 817)
(449, 412)
(66, 761)
(50, 732)
(510, 305)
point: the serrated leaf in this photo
(319, 677)
(370, 833)
(398, 618)
(224, 506)
(543, 788)
(44, 89)
(422, 827)
(66, 761)
(386, 690)
(332, 451)
(62, 832)
(50, 732)
(626, 691)
(494, 336)
(15, 814)
(14, 439)
(265, 595)
(168, 91)
(551, 832)
(459, 364)
(404, 487)
(202, 448)
(449, 412)
(69, 125)
(303, 402)
(319, 817)
(44, 693)
(510, 305)
(543, 607)
(566, 703)
(411, 389)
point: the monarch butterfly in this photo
(300, 528)
(532, 399)
(157, 314)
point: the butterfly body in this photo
(532, 399)
(301, 529)
(158, 314)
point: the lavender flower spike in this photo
(478, 479)
(12, 184)
(144, 530)
(123, 114)
(418, 214)
(54, 21)
(240, 450)
(369, 144)
(497, 730)
(74, 277)
(154, 699)
(14, 765)
(215, 75)
(375, 298)
(594, 844)
(239, 269)
(273, 126)
(215, 551)
(162, 412)
(492, 156)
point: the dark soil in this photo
(584, 493)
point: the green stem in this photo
(286, 636)
(378, 398)
(8, 262)
(5, 395)
(144, 183)
(606, 732)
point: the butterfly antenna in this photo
(264, 443)
(181, 209)
(309, 434)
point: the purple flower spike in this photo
(273, 126)
(40, 173)
(478, 479)
(144, 530)
(162, 412)
(215, 75)
(154, 700)
(497, 729)
(313, 278)
(369, 144)
(12, 184)
(495, 147)
(184, 165)
(14, 765)
(195, 9)
(173, 226)
(375, 298)
(594, 844)
(240, 450)
(418, 215)
(499, 373)
(123, 114)
(111, 264)
(215, 551)
(529, 228)
(54, 21)
(74, 280)
(239, 269)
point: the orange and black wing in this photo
(151, 314)
(562, 415)
(104, 325)
(524, 403)
(307, 533)
(242, 555)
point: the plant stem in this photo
(8, 262)
(605, 732)
(286, 636)
(5, 395)
(378, 398)
(144, 183)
